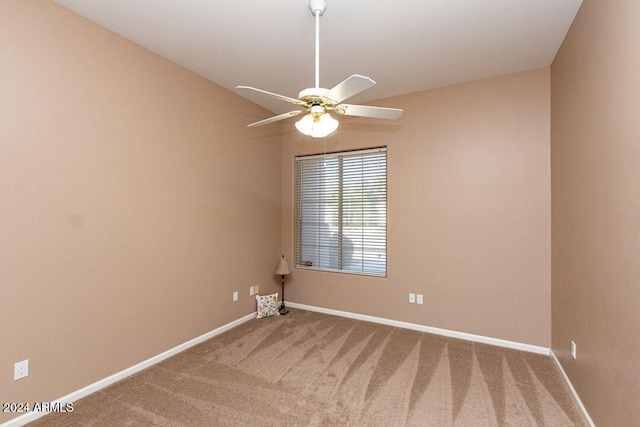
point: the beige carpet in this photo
(311, 369)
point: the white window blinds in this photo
(341, 212)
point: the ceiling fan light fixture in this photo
(317, 125)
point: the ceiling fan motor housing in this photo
(313, 95)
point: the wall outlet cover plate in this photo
(21, 370)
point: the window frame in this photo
(378, 234)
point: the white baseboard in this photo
(573, 390)
(98, 385)
(437, 331)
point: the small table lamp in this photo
(283, 269)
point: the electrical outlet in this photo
(412, 298)
(252, 290)
(235, 296)
(256, 289)
(574, 350)
(21, 370)
(419, 300)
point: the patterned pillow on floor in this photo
(267, 305)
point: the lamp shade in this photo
(283, 267)
(317, 125)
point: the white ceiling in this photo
(404, 45)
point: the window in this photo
(341, 212)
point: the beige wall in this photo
(133, 202)
(595, 152)
(468, 211)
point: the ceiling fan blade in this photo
(276, 118)
(367, 111)
(275, 95)
(349, 87)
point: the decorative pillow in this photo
(267, 305)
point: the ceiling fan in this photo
(318, 102)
